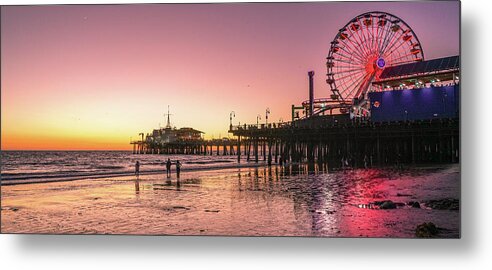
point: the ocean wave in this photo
(25, 166)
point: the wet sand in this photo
(277, 201)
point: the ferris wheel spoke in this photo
(392, 42)
(359, 46)
(389, 35)
(350, 58)
(362, 46)
(351, 74)
(399, 56)
(354, 53)
(353, 88)
(379, 37)
(380, 33)
(399, 46)
(355, 56)
(350, 88)
(386, 33)
(402, 62)
(387, 39)
(346, 66)
(341, 77)
(372, 40)
(371, 36)
(342, 61)
(363, 42)
(354, 50)
(362, 88)
(397, 41)
(364, 39)
(371, 33)
(350, 70)
(347, 70)
(359, 88)
(349, 78)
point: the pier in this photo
(409, 115)
(363, 143)
(196, 147)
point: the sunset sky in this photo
(91, 77)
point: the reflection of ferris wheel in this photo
(363, 48)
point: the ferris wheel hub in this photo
(380, 63)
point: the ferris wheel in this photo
(363, 48)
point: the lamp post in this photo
(258, 118)
(232, 114)
(267, 112)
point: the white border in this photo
(471, 252)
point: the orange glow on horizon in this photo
(91, 77)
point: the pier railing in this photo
(261, 126)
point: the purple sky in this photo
(100, 74)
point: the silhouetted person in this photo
(178, 168)
(168, 167)
(269, 160)
(137, 168)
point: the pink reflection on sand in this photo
(277, 201)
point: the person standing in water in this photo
(168, 168)
(178, 168)
(137, 168)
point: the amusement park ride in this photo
(359, 53)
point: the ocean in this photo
(35, 166)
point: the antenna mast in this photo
(168, 125)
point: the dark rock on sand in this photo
(414, 204)
(426, 230)
(443, 204)
(385, 204)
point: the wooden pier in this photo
(358, 143)
(199, 147)
(329, 139)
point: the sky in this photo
(91, 77)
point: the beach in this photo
(295, 200)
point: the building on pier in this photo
(163, 139)
(185, 140)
